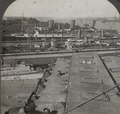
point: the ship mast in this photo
(22, 20)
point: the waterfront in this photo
(60, 57)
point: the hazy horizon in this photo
(59, 18)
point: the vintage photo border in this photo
(4, 4)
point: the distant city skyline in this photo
(62, 8)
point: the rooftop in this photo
(86, 82)
(84, 76)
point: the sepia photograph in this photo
(60, 57)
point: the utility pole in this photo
(30, 43)
(22, 20)
(45, 36)
(62, 36)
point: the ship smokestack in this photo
(93, 24)
(79, 33)
(72, 25)
(102, 33)
(51, 24)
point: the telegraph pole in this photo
(62, 36)
(22, 20)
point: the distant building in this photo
(25, 22)
(79, 33)
(59, 27)
(45, 29)
(44, 24)
(93, 24)
(66, 26)
(72, 25)
(51, 24)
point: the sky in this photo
(62, 8)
